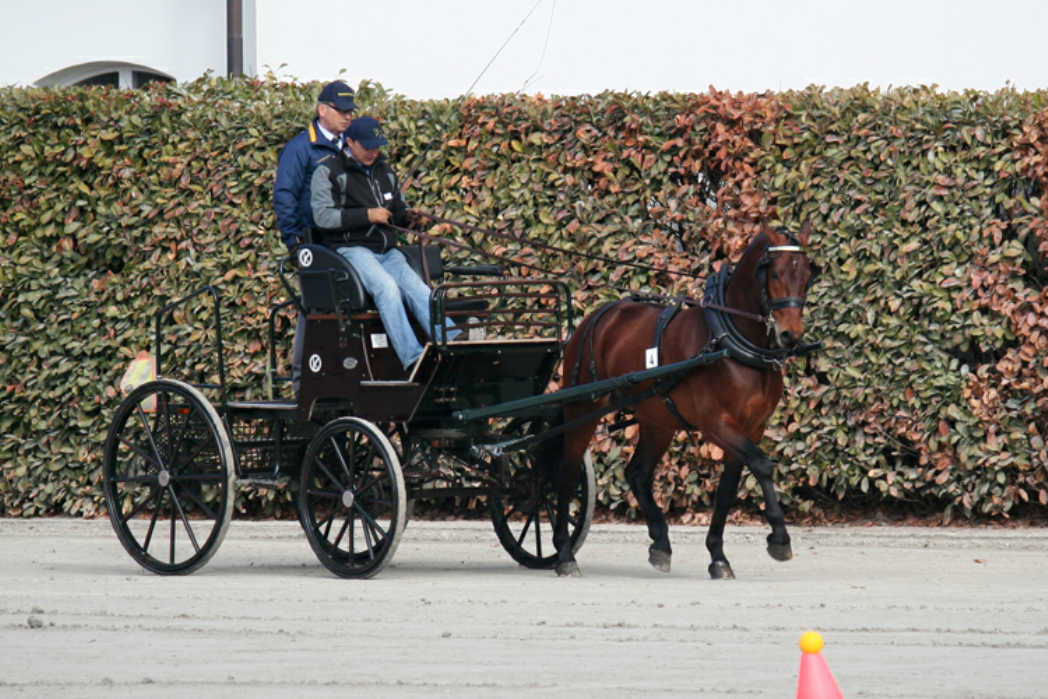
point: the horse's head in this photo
(785, 273)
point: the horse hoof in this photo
(780, 552)
(659, 560)
(721, 570)
(569, 568)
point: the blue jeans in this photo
(393, 284)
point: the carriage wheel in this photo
(168, 477)
(351, 501)
(523, 502)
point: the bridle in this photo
(771, 305)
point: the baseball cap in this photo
(339, 95)
(367, 132)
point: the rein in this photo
(705, 303)
(552, 248)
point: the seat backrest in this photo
(327, 280)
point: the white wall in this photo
(181, 38)
(435, 49)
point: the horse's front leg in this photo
(762, 468)
(727, 488)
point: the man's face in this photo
(332, 119)
(363, 155)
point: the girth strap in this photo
(666, 385)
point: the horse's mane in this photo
(751, 256)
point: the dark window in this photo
(107, 79)
(140, 78)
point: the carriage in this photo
(365, 439)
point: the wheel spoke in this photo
(191, 457)
(341, 533)
(172, 554)
(538, 533)
(326, 523)
(152, 521)
(352, 532)
(141, 452)
(377, 480)
(136, 479)
(346, 467)
(524, 531)
(149, 433)
(200, 503)
(328, 473)
(367, 536)
(185, 521)
(137, 508)
(368, 520)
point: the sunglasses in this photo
(343, 112)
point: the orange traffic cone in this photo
(815, 680)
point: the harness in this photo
(723, 334)
(661, 387)
(723, 331)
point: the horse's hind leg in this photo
(572, 447)
(640, 473)
(727, 488)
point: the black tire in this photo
(523, 502)
(168, 459)
(352, 502)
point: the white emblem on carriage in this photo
(349, 363)
(379, 341)
(305, 257)
(651, 357)
(315, 363)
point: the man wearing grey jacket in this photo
(353, 195)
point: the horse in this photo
(755, 311)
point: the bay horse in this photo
(755, 312)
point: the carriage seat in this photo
(328, 281)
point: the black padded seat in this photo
(328, 281)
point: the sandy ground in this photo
(904, 613)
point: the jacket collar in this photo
(317, 138)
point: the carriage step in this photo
(279, 482)
(388, 384)
(281, 405)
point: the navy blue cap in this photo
(367, 132)
(338, 95)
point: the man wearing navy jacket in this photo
(295, 165)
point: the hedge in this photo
(928, 209)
